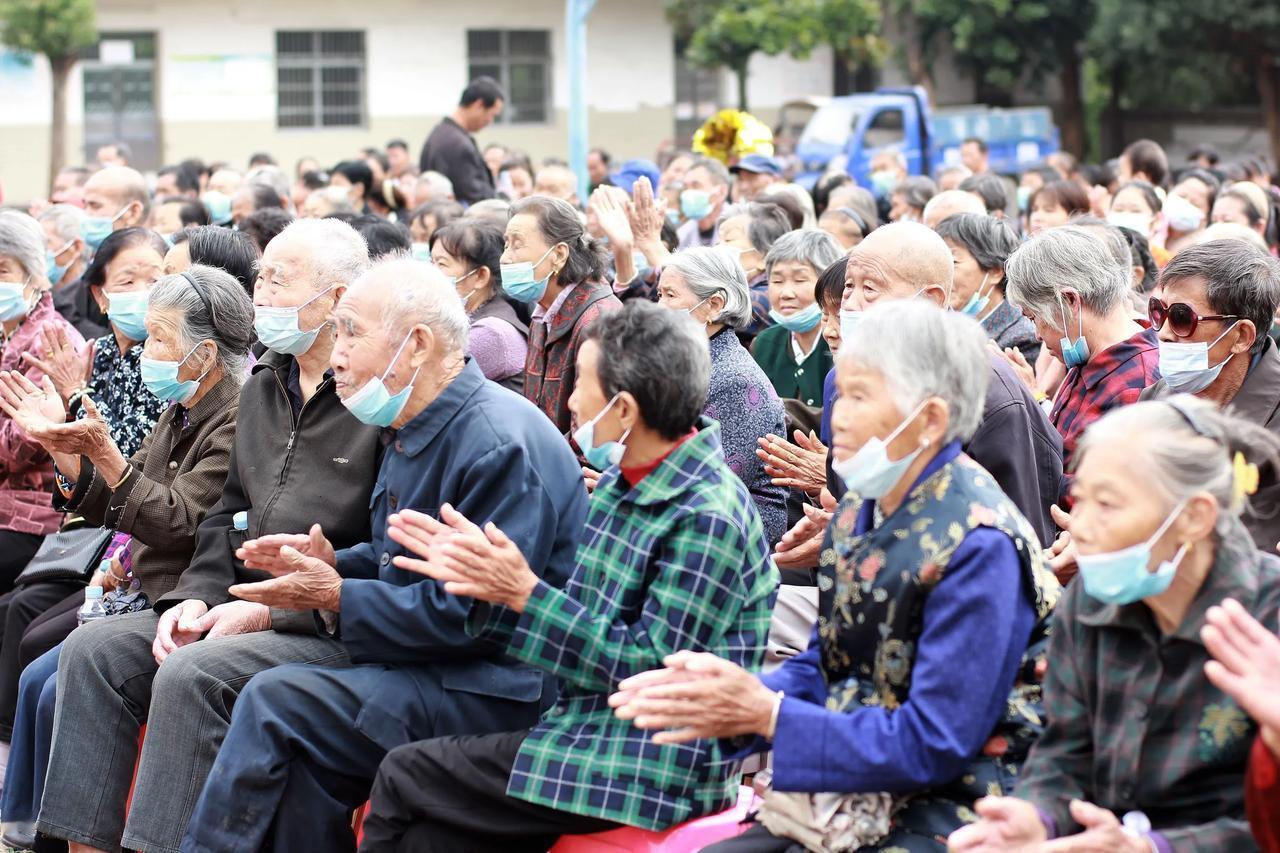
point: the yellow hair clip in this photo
(1245, 479)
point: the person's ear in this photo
(483, 276)
(1246, 333)
(1197, 520)
(934, 419)
(628, 409)
(560, 254)
(424, 341)
(95, 290)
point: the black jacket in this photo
(287, 475)
(74, 302)
(452, 152)
(1017, 445)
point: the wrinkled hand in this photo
(1102, 834)
(33, 409)
(263, 553)
(590, 477)
(1246, 664)
(800, 546)
(645, 213)
(235, 617)
(698, 695)
(302, 582)
(179, 626)
(612, 217)
(802, 465)
(480, 563)
(1062, 553)
(1006, 824)
(1025, 372)
(68, 367)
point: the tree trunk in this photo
(60, 66)
(741, 72)
(917, 65)
(1269, 93)
(1073, 131)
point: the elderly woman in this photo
(908, 199)
(26, 470)
(793, 353)
(469, 251)
(751, 230)
(1153, 562)
(550, 261)
(908, 703)
(673, 558)
(980, 246)
(68, 256)
(1070, 286)
(708, 284)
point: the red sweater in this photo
(1262, 797)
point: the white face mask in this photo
(1139, 222)
(870, 473)
(1182, 215)
(1185, 367)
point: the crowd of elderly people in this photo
(555, 522)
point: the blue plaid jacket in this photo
(678, 561)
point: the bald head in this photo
(118, 193)
(949, 203)
(898, 261)
(557, 182)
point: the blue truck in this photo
(844, 133)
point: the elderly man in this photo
(114, 198)
(705, 193)
(1075, 293)
(674, 560)
(949, 203)
(299, 459)
(305, 740)
(755, 173)
(1214, 308)
(558, 182)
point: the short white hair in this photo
(66, 219)
(923, 351)
(441, 186)
(338, 254)
(269, 176)
(419, 294)
(1068, 256)
(708, 270)
(22, 239)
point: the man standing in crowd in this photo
(305, 740)
(451, 149)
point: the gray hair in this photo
(858, 199)
(766, 222)
(816, 248)
(441, 186)
(714, 168)
(561, 222)
(660, 357)
(272, 177)
(923, 351)
(708, 270)
(1110, 235)
(337, 198)
(419, 294)
(917, 190)
(215, 307)
(1189, 446)
(22, 239)
(338, 254)
(492, 209)
(991, 241)
(66, 219)
(990, 188)
(1240, 280)
(797, 194)
(958, 201)
(1067, 256)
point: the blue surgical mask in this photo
(1125, 576)
(277, 328)
(519, 283)
(1024, 198)
(673, 216)
(695, 204)
(219, 205)
(373, 404)
(128, 312)
(13, 300)
(53, 270)
(870, 473)
(421, 252)
(802, 321)
(95, 229)
(849, 320)
(882, 183)
(161, 379)
(1185, 367)
(600, 456)
(1074, 353)
(979, 301)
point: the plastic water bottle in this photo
(92, 608)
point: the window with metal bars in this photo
(520, 60)
(320, 78)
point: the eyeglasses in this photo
(1182, 318)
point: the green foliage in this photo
(54, 28)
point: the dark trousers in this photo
(16, 550)
(22, 610)
(450, 794)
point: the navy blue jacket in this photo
(495, 457)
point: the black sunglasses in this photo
(1183, 320)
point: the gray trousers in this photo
(108, 686)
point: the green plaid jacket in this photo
(677, 562)
(1134, 724)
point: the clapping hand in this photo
(471, 561)
(33, 409)
(60, 361)
(802, 465)
(800, 546)
(647, 215)
(264, 555)
(303, 581)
